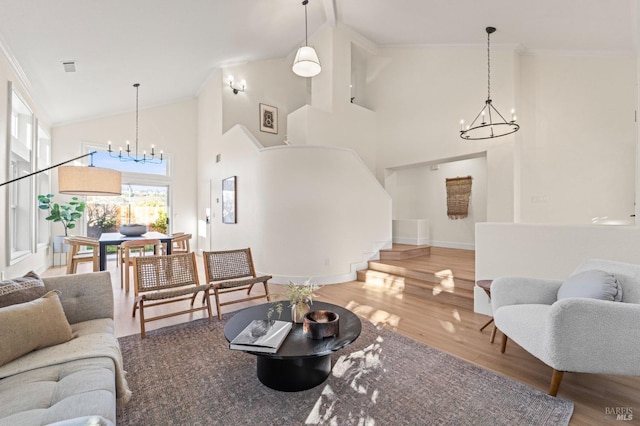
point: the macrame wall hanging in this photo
(458, 193)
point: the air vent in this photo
(69, 66)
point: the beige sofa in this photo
(71, 383)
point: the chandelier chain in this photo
(137, 90)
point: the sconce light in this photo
(237, 86)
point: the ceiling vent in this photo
(69, 66)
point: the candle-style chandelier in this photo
(133, 155)
(489, 123)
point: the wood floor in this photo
(449, 328)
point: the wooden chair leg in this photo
(218, 309)
(503, 345)
(493, 334)
(208, 305)
(142, 330)
(487, 323)
(556, 378)
(135, 306)
(126, 278)
(70, 261)
(266, 290)
(121, 275)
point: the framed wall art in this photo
(229, 200)
(268, 118)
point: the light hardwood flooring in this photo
(445, 327)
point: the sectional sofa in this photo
(60, 362)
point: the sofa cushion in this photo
(21, 290)
(33, 325)
(592, 284)
(59, 392)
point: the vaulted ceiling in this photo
(172, 46)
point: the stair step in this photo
(443, 290)
(460, 280)
(404, 251)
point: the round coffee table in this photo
(301, 363)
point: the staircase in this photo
(441, 274)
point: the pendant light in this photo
(82, 180)
(489, 123)
(306, 63)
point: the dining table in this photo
(116, 238)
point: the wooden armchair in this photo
(232, 270)
(166, 279)
(78, 253)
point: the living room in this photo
(571, 167)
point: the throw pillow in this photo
(33, 325)
(592, 284)
(20, 290)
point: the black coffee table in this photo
(300, 363)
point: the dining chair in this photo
(160, 280)
(180, 242)
(79, 252)
(126, 257)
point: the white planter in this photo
(58, 244)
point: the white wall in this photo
(269, 82)
(419, 192)
(572, 160)
(209, 132)
(306, 211)
(332, 119)
(172, 128)
(578, 138)
(547, 250)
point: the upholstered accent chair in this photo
(571, 332)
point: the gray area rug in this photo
(186, 375)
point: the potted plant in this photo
(300, 297)
(65, 213)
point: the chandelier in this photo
(133, 155)
(489, 123)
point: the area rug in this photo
(186, 375)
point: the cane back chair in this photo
(166, 279)
(230, 271)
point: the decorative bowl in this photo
(133, 229)
(320, 324)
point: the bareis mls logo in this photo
(620, 413)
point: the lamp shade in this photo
(306, 63)
(75, 180)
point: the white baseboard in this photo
(411, 241)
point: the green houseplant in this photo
(65, 213)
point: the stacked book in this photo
(261, 336)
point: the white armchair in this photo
(572, 334)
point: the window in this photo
(21, 198)
(43, 184)
(141, 204)
(144, 200)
